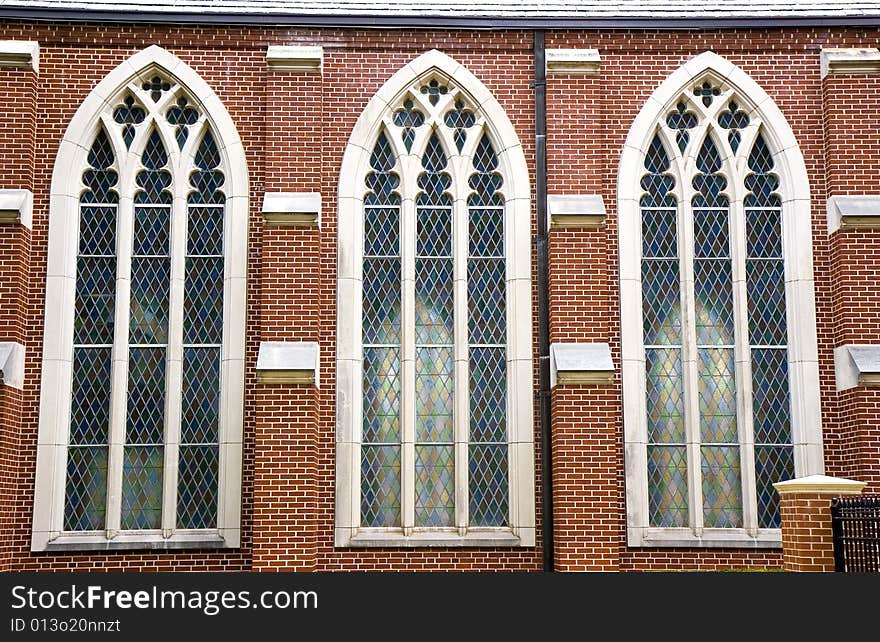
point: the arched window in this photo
(143, 393)
(441, 444)
(713, 371)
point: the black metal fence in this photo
(855, 523)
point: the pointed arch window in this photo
(150, 429)
(441, 446)
(715, 420)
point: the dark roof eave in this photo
(429, 22)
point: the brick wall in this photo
(294, 128)
(807, 537)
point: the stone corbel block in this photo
(576, 210)
(20, 53)
(16, 206)
(573, 61)
(295, 58)
(849, 61)
(292, 209)
(12, 364)
(853, 212)
(580, 363)
(856, 365)
(288, 362)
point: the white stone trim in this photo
(578, 363)
(20, 53)
(292, 209)
(801, 316)
(294, 58)
(294, 362)
(16, 206)
(516, 190)
(849, 61)
(853, 212)
(61, 286)
(820, 484)
(856, 365)
(12, 364)
(573, 61)
(575, 210)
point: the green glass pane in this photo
(85, 498)
(717, 394)
(142, 487)
(380, 485)
(435, 485)
(434, 394)
(667, 486)
(722, 487)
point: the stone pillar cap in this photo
(820, 484)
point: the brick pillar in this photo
(805, 504)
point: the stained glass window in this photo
(450, 365)
(708, 458)
(169, 243)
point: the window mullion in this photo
(690, 372)
(408, 349)
(119, 367)
(462, 376)
(174, 365)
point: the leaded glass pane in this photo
(149, 300)
(709, 182)
(772, 464)
(681, 120)
(381, 390)
(381, 301)
(182, 116)
(434, 182)
(765, 282)
(100, 179)
(764, 235)
(762, 183)
(85, 503)
(409, 119)
(488, 395)
(434, 301)
(657, 184)
(95, 300)
(485, 181)
(659, 233)
(90, 407)
(486, 232)
(381, 231)
(208, 179)
(205, 231)
(434, 394)
(770, 402)
(97, 230)
(203, 302)
(734, 120)
(713, 293)
(142, 487)
(434, 232)
(154, 181)
(151, 230)
(200, 412)
(722, 487)
(711, 233)
(197, 486)
(667, 486)
(488, 485)
(380, 485)
(665, 395)
(146, 396)
(435, 485)
(382, 181)
(460, 119)
(717, 394)
(487, 309)
(661, 302)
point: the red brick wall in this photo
(806, 536)
(294, 128)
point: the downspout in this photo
(543, 286)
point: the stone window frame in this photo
(517, 193)
(800, 300)
(55, 395)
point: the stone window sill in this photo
(384, 537)
(711, 538)
(97, 541)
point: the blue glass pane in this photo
(486, 232)
(435, 485)
(722, 487)
(146, 396)
(208, 179)
(665, 396)
(205, 231)
(659, 233)
(100, 179)
(151, 230)
(142, 487)
(488, 485)
(90, 407)
(154, 182)
(488, 398)
(203, 300)
(761, 184)
(713, 290)
(764, 233)
(681, 120)
(667, 486)
(435, 376)
(381, 301)
(182, 116)
(765, 283)
(129, 114)
(433, 182)
(197, 487)
(460, 119)
(708, 182)
(771, 406)
(381, 231)
(85, 498)
(487, 309)
(657, 184)
(97, 230)
(200, 412)
(434, 301)
(772, 464)
(434, 236)
(381, 390)
(711, 234)
(717, 394)
(734, 119)
(380, 485)
(409, 119)
(95, 300)
(149, 300)
(485, 181)
(661, 302)
(382, 181)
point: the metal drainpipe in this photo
(540, 86)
